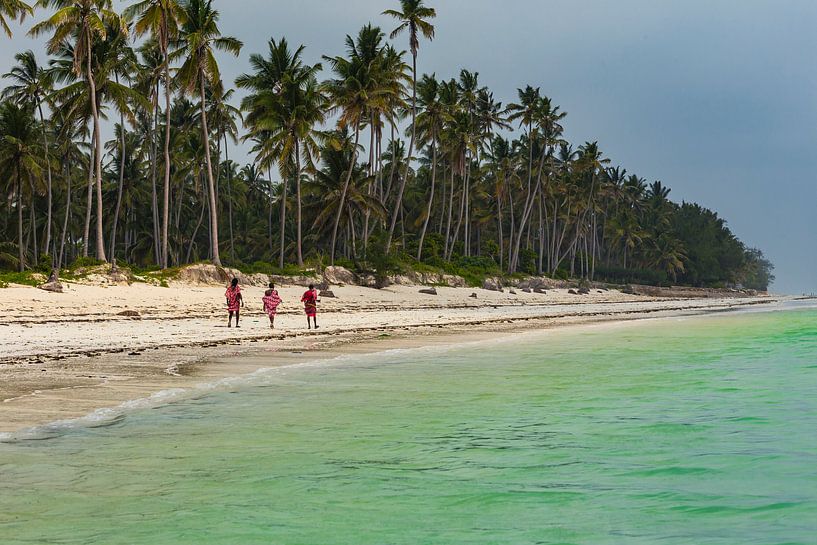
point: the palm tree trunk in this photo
(33, 223)
(211, 186)
(343, 193)
(456, 232)
(112, 251)
(430, 196)
(193, 236)
(48, 169)
(157, 239)
(166, 195)
(284, 183)
(499, 229)
(100, 235)
(67, 214)
(20, 252)
(399, 202)
(229, 198)
(450, 211)
(89, 207)
(298, 199)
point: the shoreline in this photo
(38, 389)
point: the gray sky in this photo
(716, 101)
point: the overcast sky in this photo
(716, 101)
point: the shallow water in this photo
(697, 430)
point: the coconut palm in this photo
(86, 22)
(285, 107)
(430, 121)
(19, 157)
(161, 18)
(12, 9)
(199, 38)
(30, 85)
(413, 17)
(352, 93)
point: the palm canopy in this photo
(30, 82)
(160, 18)
(199, 39)
(12, 9)
(85, 21)
(413, 17)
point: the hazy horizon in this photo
(716, 102)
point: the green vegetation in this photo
(360, 160)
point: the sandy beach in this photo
(64, 355)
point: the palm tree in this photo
(162, 19)
(19, 155)
(354, 92)
(87, 21)
(413, 17)
(198, 40)
(283, 110)
(12, 9)
(31, 84)
(430, 122)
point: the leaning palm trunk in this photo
(343, 194)
(430, 196)
(211, 186)
(100, 235)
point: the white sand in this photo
(64, 354)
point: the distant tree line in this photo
(375, 165)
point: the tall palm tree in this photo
(31, 84)
(353, 92)
(413, 17)
(285, 107)
(199, 38)
(12, 9)
(86, 21)
(430, 123)
(161, 18)
(19, 154)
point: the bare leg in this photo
(230, 320)
(236, 318)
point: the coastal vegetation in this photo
(360, 160)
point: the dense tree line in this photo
(358, 160)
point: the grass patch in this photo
(26, 278)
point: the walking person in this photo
(310, 301)
(234, 302)
(271, 301)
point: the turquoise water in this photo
(684, 431)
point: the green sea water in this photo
(700, 430)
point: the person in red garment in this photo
(234, 302)
(271, 301)
(310, 301)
